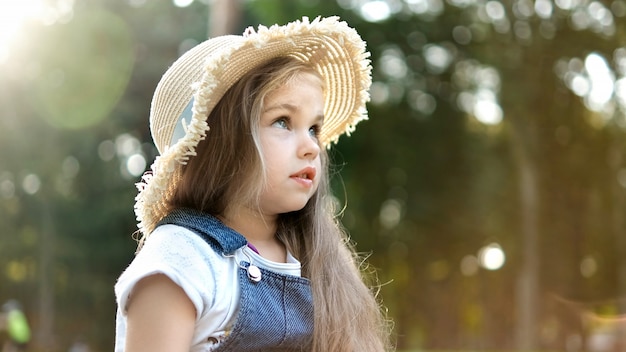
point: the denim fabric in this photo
(276, 313)
(221, 238)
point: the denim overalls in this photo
(275, 310)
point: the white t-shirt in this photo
(207, 277)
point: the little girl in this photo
(239, 248)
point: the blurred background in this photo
(488, 187)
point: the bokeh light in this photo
(106, 150)
(136, 164)
(491, 257)
(391, 213)
(31, 184)
(430, 8)
(437, 57)
(601, 80)
(393, 63)
(469, 265)
(7, 185)
(128, 149)
(375, 11)
(588, 266)
(595, 82)
(422, 102)
(70, 167)
(479, 86)
(182, 3)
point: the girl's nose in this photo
(308, 146)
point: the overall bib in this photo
(275, 310)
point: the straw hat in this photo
(194, 84)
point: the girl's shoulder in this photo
(184, 257)
(180, 246)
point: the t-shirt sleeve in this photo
(181, 255)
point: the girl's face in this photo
(291, 119)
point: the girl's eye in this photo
(314, 131)
(281, 123)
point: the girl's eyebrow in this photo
(282, 106)
(292, 108)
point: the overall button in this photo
(254, 273)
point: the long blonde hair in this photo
(226, 171)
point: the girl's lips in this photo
(305, 176)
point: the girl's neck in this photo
(259, 230)
(251, 224)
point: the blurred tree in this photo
(224, 17)
(74, 106)
(497, 63)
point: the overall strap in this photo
(220, 237)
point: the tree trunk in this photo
(45, 328)
(224, 17)
(528, 280)
(616, 159)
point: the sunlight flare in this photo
(15, 15)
